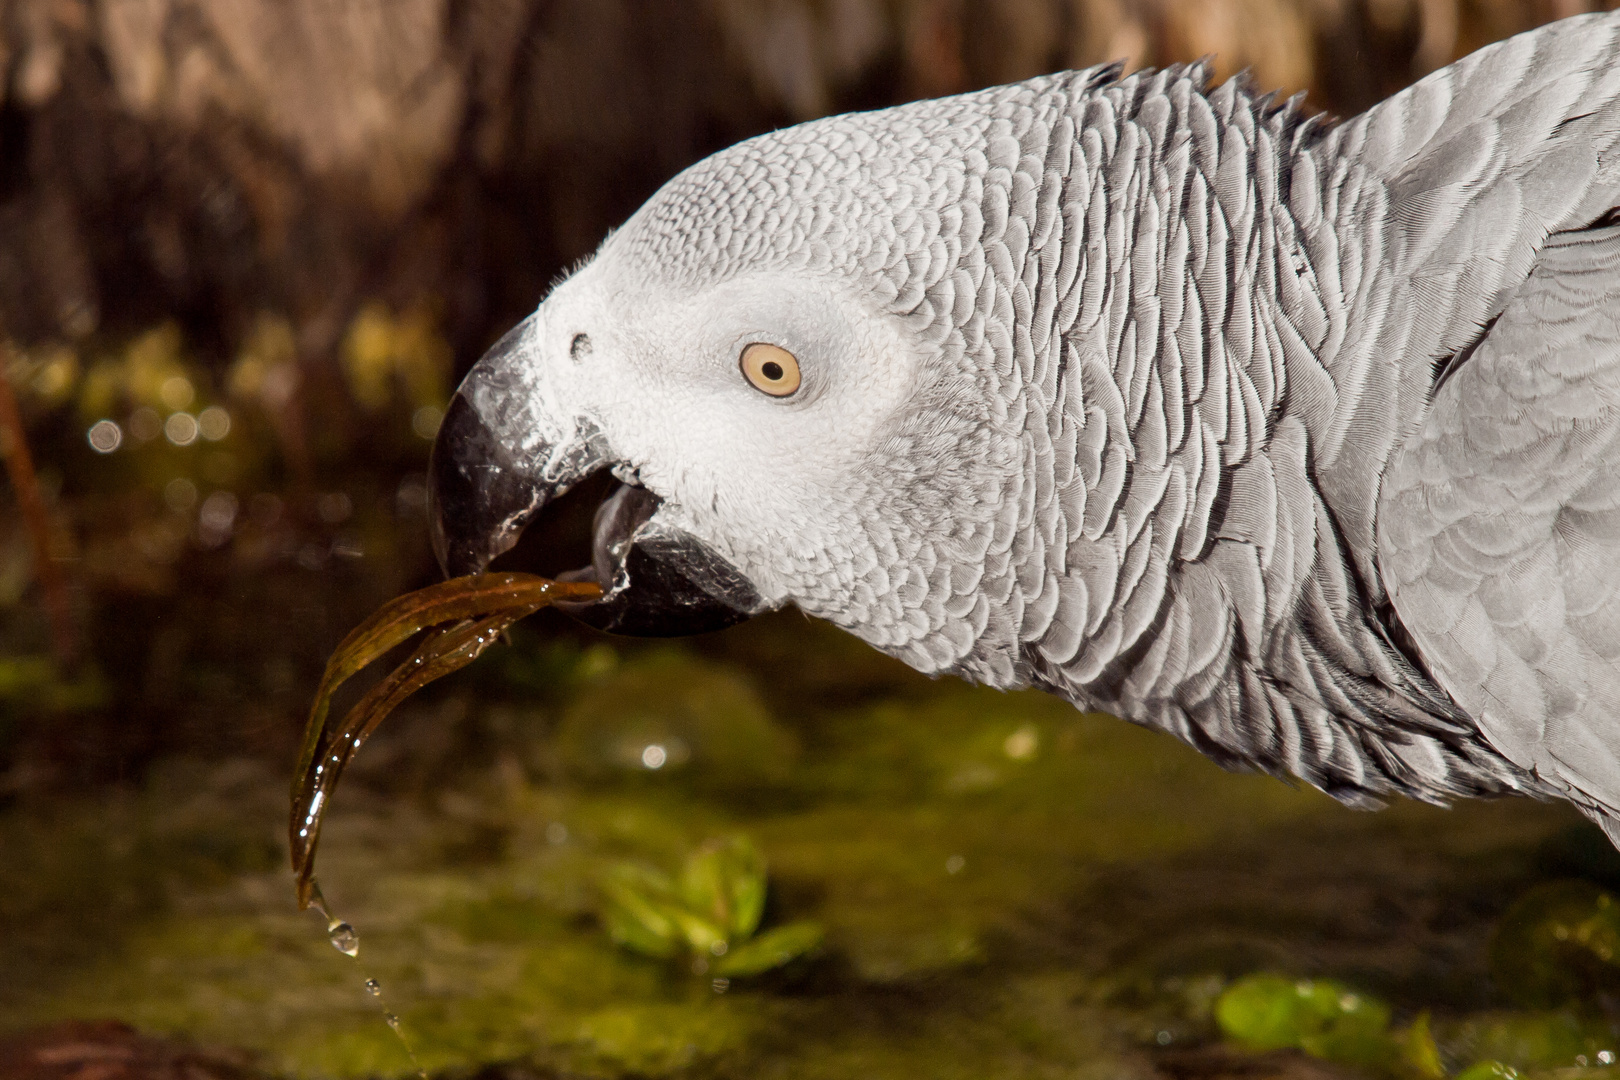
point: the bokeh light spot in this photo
(145, 424)
(1022, 743)
(410, 498)
(214, 423)
(105, 436)
(425, 421)
(217, 518)
(180, 494)
(334, 507)
(181, 429)
(57, 372)
(177, 392)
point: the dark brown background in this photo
(211, 159)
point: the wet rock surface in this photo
(108, 1050)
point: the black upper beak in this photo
(657, 581)
(478, 500)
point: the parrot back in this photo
(1498, 526)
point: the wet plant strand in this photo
(463, 616)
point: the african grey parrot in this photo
(1299, 441)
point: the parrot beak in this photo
(478, 499)
(484, 487)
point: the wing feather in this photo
(1499, 525)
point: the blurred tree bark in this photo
(19, 466)
(213, 160)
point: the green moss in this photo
(659, 1038)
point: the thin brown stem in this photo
(24, 481)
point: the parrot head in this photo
(753, 358)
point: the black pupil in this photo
(771, 370)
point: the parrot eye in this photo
(770, 369)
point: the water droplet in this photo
(399, 1033)
(344, 939)
(720, 986)
(347, 942)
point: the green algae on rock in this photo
(1327, 1019)
(1323, 1017)
(1532, 1040)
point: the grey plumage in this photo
(1297, 441)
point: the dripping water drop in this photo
(343, 938)
(346, 941)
